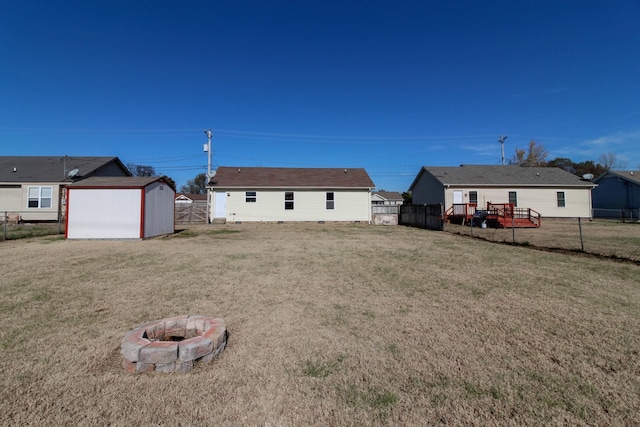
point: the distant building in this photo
(552, 192)
(386, 198)
(291, 194)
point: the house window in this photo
(39, 197)
(330, 201)
(473, 197)
(561, 200)
(250, 196)
(288, 200)
(513, 198)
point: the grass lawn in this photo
(329, 325)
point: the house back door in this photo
(220, 204)
(457, 197)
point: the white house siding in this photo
(159, 209)
(104, 213)
(542, 200)
(309, 205)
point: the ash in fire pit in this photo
(175, 344)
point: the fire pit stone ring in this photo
(174, 344)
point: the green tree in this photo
(562, 163)
(408, 197)
(536, 156)
(589, 166)
(196, 185)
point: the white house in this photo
(119, 208)
(552, 192)
(290, 194)
(386, 198)
(32, 187)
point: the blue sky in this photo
(388, 86)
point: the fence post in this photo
(4, 226)
(581, 239)
(513, 226)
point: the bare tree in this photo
(610, 161)
(536, 156)
(141, 170)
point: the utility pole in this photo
(207, 149)
(501, 141)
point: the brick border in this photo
(175, 344)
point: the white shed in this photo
(119, 208)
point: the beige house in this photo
(257, 194)
(551, 192)
(32, 187)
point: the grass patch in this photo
(322, 369)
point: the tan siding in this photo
(308, 206)
(542, 200)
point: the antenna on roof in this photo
(501, 141)
(73, 173)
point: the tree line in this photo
(193, 186)
(536, 155)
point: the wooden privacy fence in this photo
(191, 213)
(423, 216)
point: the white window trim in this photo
(40, 197)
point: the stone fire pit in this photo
(175, 344)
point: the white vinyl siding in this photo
(309, 205)
(542, 200)
(104, 214)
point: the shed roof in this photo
(499, 175)
(51, 168)
(259, 177)
(117, 182)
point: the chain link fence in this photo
(609, 237)
(14, 226)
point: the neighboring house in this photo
(190, 199)
(386, 198)
(617, 195)
(32, 188)
(290, 194)
(119, 208)
(551, 192)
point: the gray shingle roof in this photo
(389, 195)
(116, 182)
(50, 169)
(508, 175)
(632, 176)
(259, 177)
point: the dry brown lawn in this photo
(329, 325)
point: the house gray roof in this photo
(54, 168)
(632, 176)
(389, 195)
(116, 182)
(259, 177)
(507, 175)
